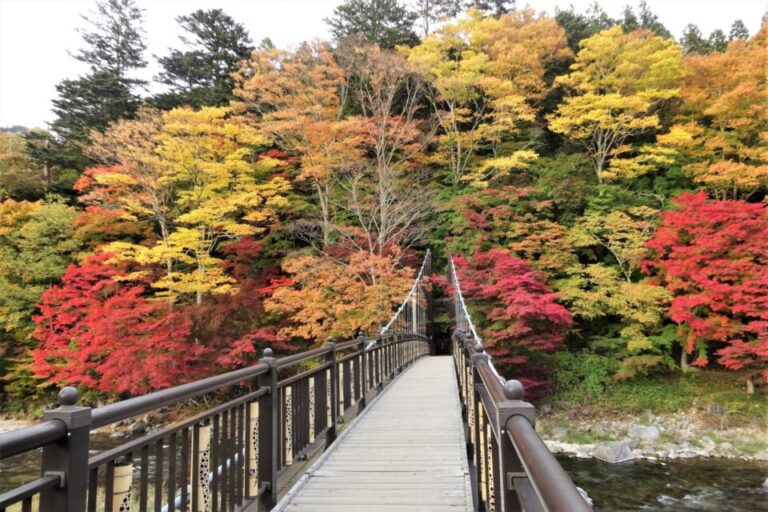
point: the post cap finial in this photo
(68, 396)
(268, 353)
(514, 390)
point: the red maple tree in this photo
(713, 256)
(99, 332)
(516, 309)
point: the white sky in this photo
(36, 34)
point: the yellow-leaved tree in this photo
(615, 89)
(221, 190)
(599, 289)
(487, 75)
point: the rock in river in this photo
(617, 451)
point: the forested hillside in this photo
(602, 185)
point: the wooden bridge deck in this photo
(405, 453)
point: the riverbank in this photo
(618, 436)
(7, 425)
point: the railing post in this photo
(380, 361)
(430, 305)
(362, 372)
(270, 419)
(330, 357)
(510, 467)
(68, 457)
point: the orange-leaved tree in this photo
(325, 297)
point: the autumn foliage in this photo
(104, 334)
(519, 313)
(712, 256)
(602, 187)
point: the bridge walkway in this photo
(406, 452)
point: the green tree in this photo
(431, 11)
(19, 177)
(693, 41)
(51, 156)
(738, 31)
(36, 245)
(387, 23)
(580, 26)
(650, 21)
(717, 41)
(114, 48)
(200, 76)
(493, 7)
(114, 41)
(629, 20)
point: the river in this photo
(720, 485)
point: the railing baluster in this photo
(215, 450)
(109, 483)
(143, 480)
(158, 476)
(334, 390)
(242, 436)
(184, 471)
(93, 489)
(231, 469)
(252, 452)
(172, 473)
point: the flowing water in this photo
(719, 485)
(678, 485)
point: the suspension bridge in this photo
(377, 423)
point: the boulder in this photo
(644, 433)
(584, 451)
(617, 451)
(137, 428)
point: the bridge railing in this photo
(415, 313)
(511, 466)
(241, 453)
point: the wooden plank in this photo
(407, 452)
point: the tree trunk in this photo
(684, 361)
(750, 386)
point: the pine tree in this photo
(114, 47)
(580, 26)
(650, 21)
(200, 76)
(693, 41)
(384, 22)
(738, 31)
(717, 41)
(430, 11)
(629, 20)
(493, 7)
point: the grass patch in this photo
(708, 392)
